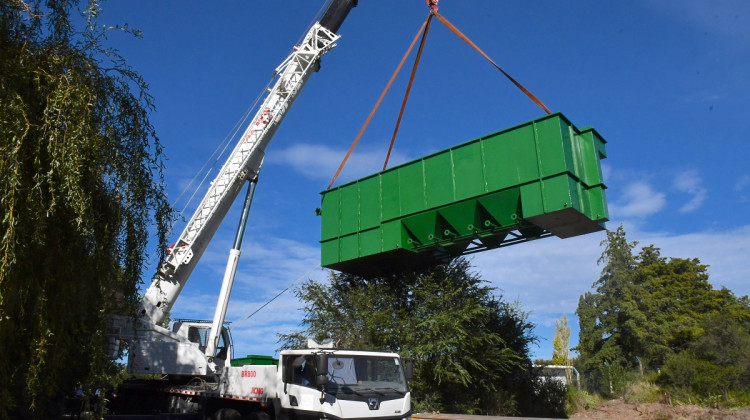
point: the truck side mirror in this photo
(321, 374)
(409, 369)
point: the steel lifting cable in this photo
(423, 30)
(377, 104)
(408, 89)
(468, 41)
(242, 321)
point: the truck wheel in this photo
(258, 415)
(226, 414)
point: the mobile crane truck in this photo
(193, 359)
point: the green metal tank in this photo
(534, 180)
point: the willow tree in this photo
(80, 184)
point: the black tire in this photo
(226, 414)
(257, 415)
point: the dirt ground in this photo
(620, 410)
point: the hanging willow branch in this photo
(80, 183)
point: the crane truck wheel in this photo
(257, 415)
(226, 414)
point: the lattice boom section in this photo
(245, 161)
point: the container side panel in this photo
(329, 252)
(551, 144)
(439, 186)
(591, 146)
(369, 203)
(349, 209)
(573, 153)
(557, 193)
(391, 234)
(411, 185)
(349, 247)
(370, 242)
(598, 203)
(510, 158)
(389, 193)
(331, 215)
(587, 156)
(532, 202)
(468, 171)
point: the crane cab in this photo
(197, 332)
(181, 351)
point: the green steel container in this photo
(254, 359)
(533, 180)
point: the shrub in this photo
(687, 372)
(642, 392)
(577, 399)
(551, 399)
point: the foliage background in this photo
(659, 318)
(80, 182)
(470, 348)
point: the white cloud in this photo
(320, 162)
(195, 305)
(742, 182)
(689, 182)
(548, 276)
(725, 252)
(268, 266)
(740, 187)
(607, 171)
(637, 201)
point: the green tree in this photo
(609, 317)
(650, 308)
(561, 346)
(80, 179)
(561, 342)
(717, 361)
(678, 293)
(471, 349)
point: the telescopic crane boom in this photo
(243, 164)
(152, 347)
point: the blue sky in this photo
(666, 83)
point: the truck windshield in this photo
(357, 374)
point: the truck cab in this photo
(343, 384)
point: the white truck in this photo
(192, 360)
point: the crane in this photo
(195, 357)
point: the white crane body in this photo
(195, 357)
(243, 165)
